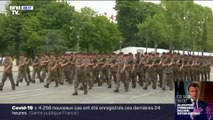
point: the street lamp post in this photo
(120, 42)
(47, 43)
(146, 40)
(156, 47)
(184, 48)
(78, 38)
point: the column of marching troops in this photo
(84, 70)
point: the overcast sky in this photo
(107, 6)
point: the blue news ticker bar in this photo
(92, 112)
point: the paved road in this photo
(36, 93)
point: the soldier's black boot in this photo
(41, 81)
(61, 83)
(33, 81)
(81, 88)
(56, 85)
(46, 86)
(1, 89)
(70, 82)
(85, 92)
(16, 84)
(145, 88)
(100, 84)
(116, 90)
(110, 86)
(28, 84)
(153, 87)
(75, 94)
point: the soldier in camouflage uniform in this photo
(144, 68)
(88, 70)
(167, 72)
(72, 67)
(22, 70)
(44, 66)
(138, 69)
(7, 73)
(80, 75)
(121, 74)
(159, 68)
(27, 68)
(36, 69)
(130, 70)
(196, 69)
(52, 71)
(208, 68)
(103, 69)
(190, 68)
(202, 68)
(96, 70)
(151, 74)
(60, 73)
(185, 68)
(113, 70)
(176, 69)
(65, 69)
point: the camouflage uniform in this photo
(22, 71)
(121, 75)
(103, 70)
(72, 68)
(44, 67)
(36, 69)
(8, 64)
(80, 77)
(52, 71)
(167, 74)
(151, 75)
(159, 70)
(27, 68)
(66, 70)
(176, 68)
(113, 72)
(88, 73)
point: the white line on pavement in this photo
(25, 91)
(33, 95)
(146, 94)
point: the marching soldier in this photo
(27, 68)
(72, 67)
(52, 71)
(65, 66)
(113, 70)
(96, 70)
(36, 69)
(130, 70)
(44, 66)
(104, 70)
(7, 73)
(121, 74)
(159, 68)
(80, 75)
(151, 75)
(167, 72)
(22, 70)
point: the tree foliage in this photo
(52, 27)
